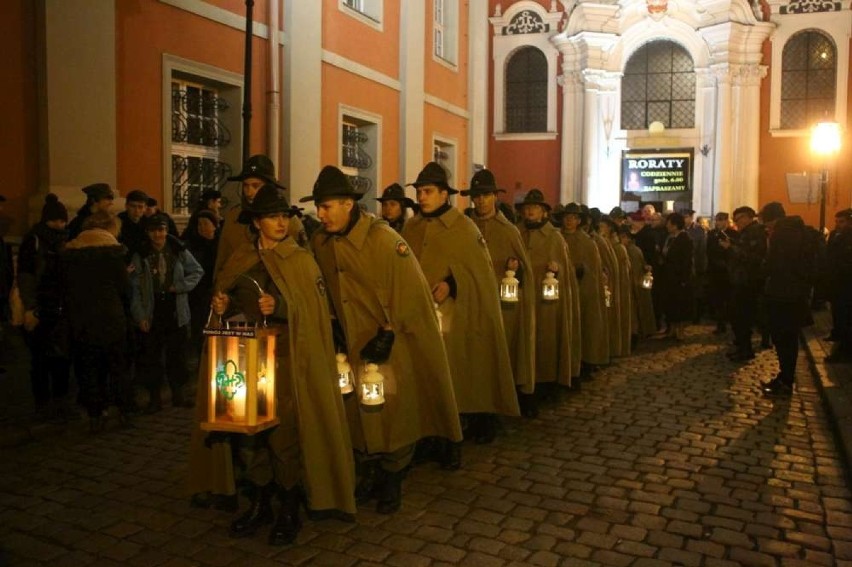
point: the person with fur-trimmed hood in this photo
(97, 298)
(163, 273)
(508, 252)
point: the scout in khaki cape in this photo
(609, 230)
(548, 253)
(384, 306)
(457, 266)
(611, 282)
(309, 450)
(587, 266)
(508, 253)
(217, 486)
(395, 206)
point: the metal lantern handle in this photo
(260, 291)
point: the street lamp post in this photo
(247, 81)
(825, 143)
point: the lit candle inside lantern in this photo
(240, 403)
(550, 287)
(509, 288)
(648, 280)
(344, 374)
(262, 382)
(372, 387)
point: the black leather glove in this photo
(579, 271)
(379, 348)
(338, 336)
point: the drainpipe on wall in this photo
(273, 95)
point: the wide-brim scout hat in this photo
(533, 197)
(210, 194)
(481, 183)
(395, 192)
(259, 166)
(573, 209)
(433, 174)
(617, 213)
(98, 191)
(331, 183)
(269, 200)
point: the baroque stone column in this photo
(601, 174)
(745, 104)
(571, 162)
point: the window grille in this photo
(658, 86)
(808, 76)
(198, 135)
(526, 91)
(353, 154)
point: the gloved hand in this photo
(379, 348)
(338, 336)
(579, 271)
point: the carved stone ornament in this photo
(810, 7)
(526, 21)
(656, 7)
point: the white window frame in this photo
(372, 125)
(450, 146)
(230, 86)
(504, 47)
(837, 26)
(445, 32)
(368, 12)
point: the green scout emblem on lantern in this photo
(228, 384)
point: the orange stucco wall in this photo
(779, 156)
(146, 30)
(521, 166)
(359, 42)
(440, 80)
(342, 87)
(19, 142)
(437, 122)
(259, 12)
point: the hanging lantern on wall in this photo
(509, 288)
(372, 387)
(648, 280)
(550, 287)
(241, 394)
(345, 377)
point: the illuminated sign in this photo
(657, 172)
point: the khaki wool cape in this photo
(552, 318)
(374, 280)
(576, 330)
(643, 303)
(593, 316)
(613, 313)
(328, 471)
(451, 245)
(504, 241)
(625, 295)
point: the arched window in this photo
(526, 91)
(808, 74)
(658, 86)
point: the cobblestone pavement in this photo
(669, 457)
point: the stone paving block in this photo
(408, 560)
(752, 558)
(443, 552)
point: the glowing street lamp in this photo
(825, 143)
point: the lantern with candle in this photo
(509, 288)
(241, 396)
(345, 378)
(648, 279)
(372, 388)
(550, 287)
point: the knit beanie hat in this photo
(53, 209)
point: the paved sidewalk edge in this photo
(836, 399)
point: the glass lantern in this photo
(372, 387)
(550, 287)
(345, 377)
(509, 288)
(241, 396)
(607, 296)
(648, 280)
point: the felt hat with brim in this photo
(573, 209)
(395, 192)
(482, 183)
(98, 191)
(331, 183)
(136, 196)
(259, 166)
(210, 194)
(433, 174)
(533, 197)
(268, 200)
(617, 213)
